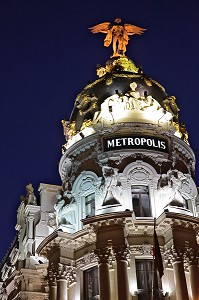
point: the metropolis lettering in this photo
(127, 142)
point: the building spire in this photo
(117, 34)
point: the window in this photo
(90, 205)
(146, 280)
(91, 287)
(141, 201)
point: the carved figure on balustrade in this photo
(29, 198)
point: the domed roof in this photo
(115, 78)
(122, 94)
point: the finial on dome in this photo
(117, 34)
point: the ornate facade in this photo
(126, 169)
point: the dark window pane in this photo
(146, 279)
(90, 204)
(141, 201)
(91, 287)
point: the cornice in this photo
(63, 240)
(113, 216)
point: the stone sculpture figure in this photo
(111, 186)
(65, 210)
(29, 198)
(169, 186)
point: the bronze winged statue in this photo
(117, 34)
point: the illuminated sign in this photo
(135, 142)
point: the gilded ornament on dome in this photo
(88, 104)
(125, 64)
(121, 63)
(117, 34)
(109, 81)
(158, 84)
(86, 124)
(133, 91)
(69, 128)
(147, 81)
(101, 71)
(182, 131)
(171, 106)
(65, 126)
(63, 149)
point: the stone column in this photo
(179, 275)
(52, 284)
(121, 252)
(104, 280)
(62, 284)
(192, 260)
(66, 275)
(62, 290)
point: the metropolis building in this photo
(127, 168)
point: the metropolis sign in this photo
(135, 142)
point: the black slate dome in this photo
(119, 74)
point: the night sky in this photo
(47, 55)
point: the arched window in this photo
(85, 195)
(141, 183)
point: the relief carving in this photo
(138, 174)
(111, 186)
(66, 211)
(169, 188)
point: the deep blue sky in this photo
(47, 55)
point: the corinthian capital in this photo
(103, 254)
(121, 252)
(173, 254)
(191, 256)
(66, 272)
(51, 276)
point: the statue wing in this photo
(132, 29)
(102, 27)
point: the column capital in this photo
(30, 218)
(66, 272)
(51, 276)
(178, 253)
(103, 254)
(121, 252)
(191, 256)
(173, 254)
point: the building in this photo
(124, 224)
